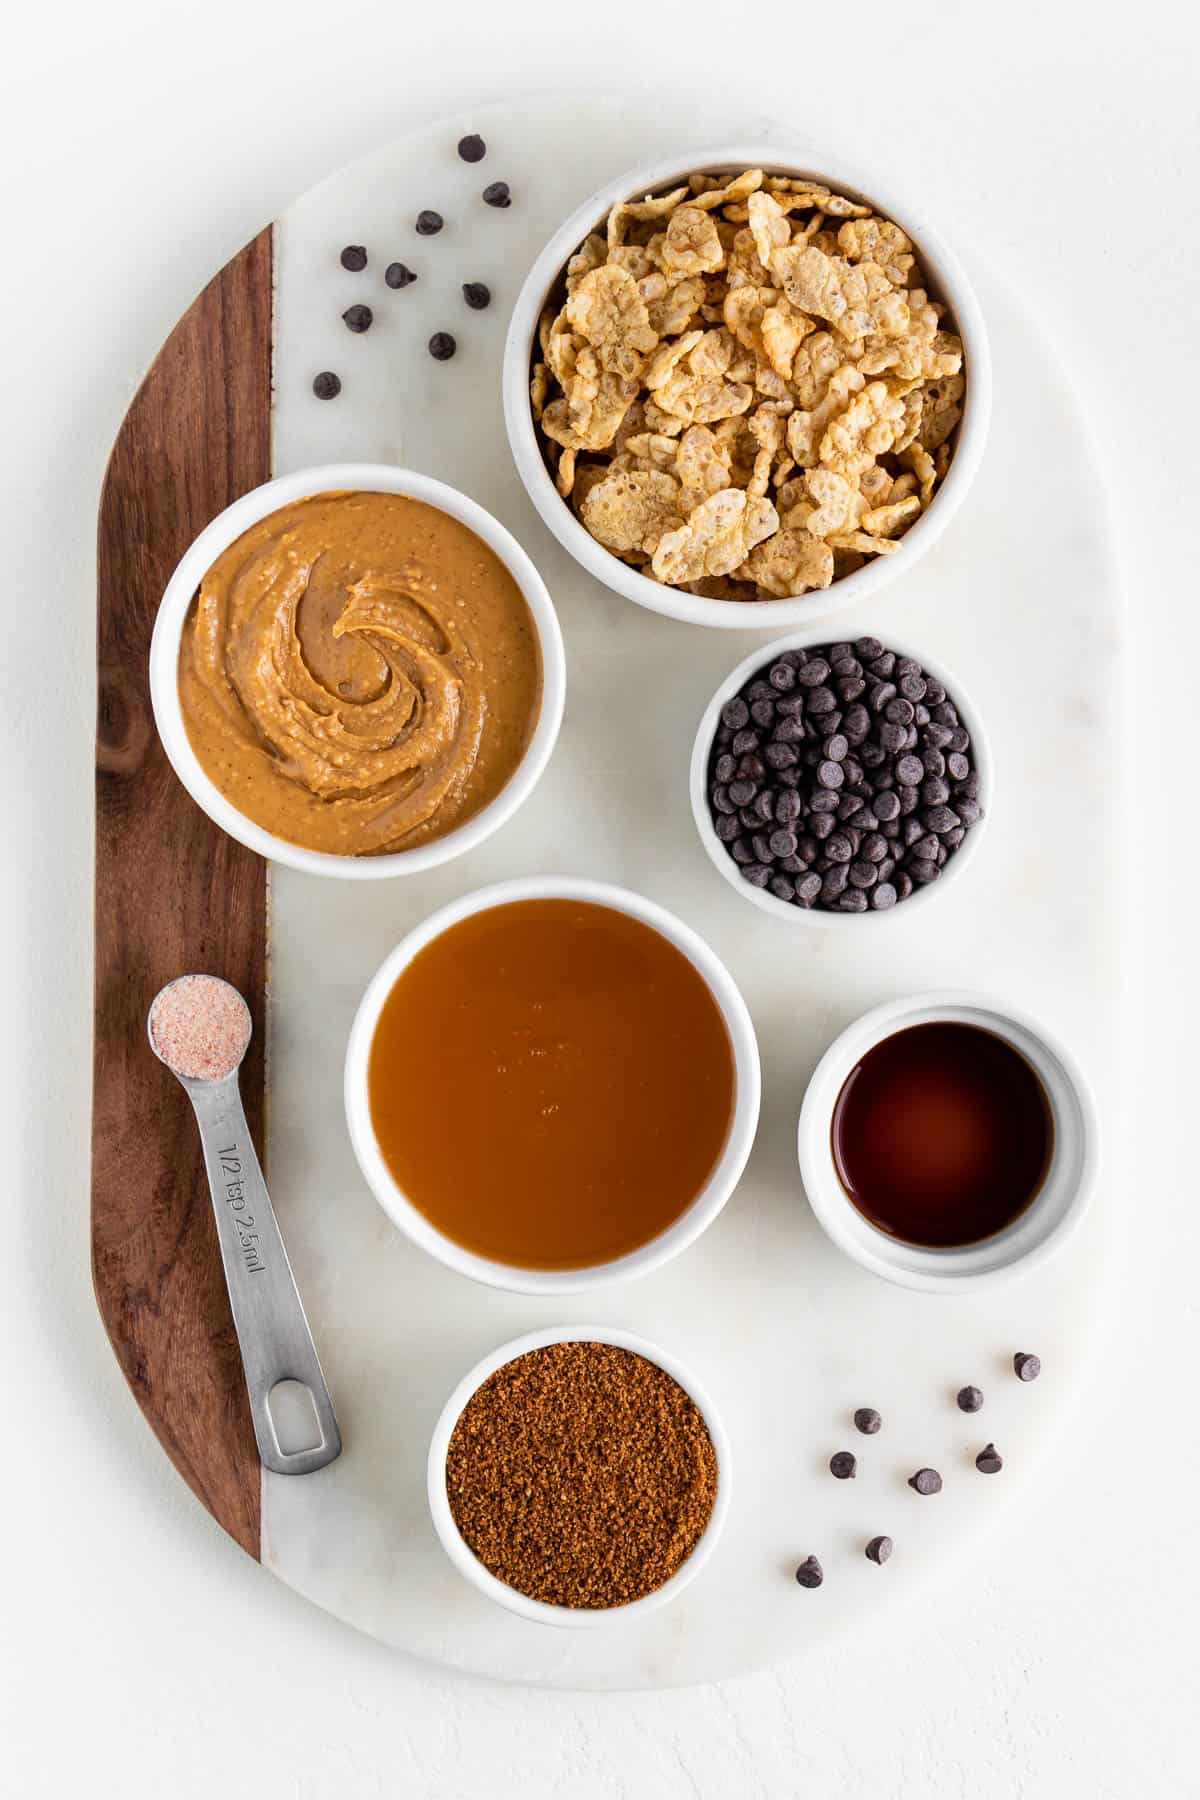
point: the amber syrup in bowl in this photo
(942, 1135)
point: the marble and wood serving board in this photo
(1020, 598)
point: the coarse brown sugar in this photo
(582, 1475)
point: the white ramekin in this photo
(716, 1190)
(465, 1560)
(373, 478)
(947, 278)
(783, 909)
(1046, 1222)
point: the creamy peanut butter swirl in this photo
(360, 673)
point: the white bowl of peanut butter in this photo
(357, 671)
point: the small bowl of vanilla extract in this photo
(946, 1142)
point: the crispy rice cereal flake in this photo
(745, 388)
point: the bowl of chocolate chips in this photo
(838, 779)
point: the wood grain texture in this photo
(173, 894)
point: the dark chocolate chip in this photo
(868, 648)
(989, 1461)
(782, 887)
(727, 828)
(810, 1574)
(354, 258)
(735, 713)
(757, 874)
(926, 1481)
(910, 771)
(442, 346)
(883, 895)
(497, 194)
(807, 889)
(399, 275)
(327, 385)
(867, 1420)
(477, 295)
(782, 676)
(879, 1549)
(851, 901)
(843, 1464)
(969, 1399)
(358, 318)
(429, 223)
(472, 147)
(1026, 1366)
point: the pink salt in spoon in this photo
(200, 1027)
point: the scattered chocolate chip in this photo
(399, 275)
(327, 385)
(472, 147)
(442, 346)
(867, 1420)
(879, 1549)
(843, 1464)
(926, 1481)
(476, 295)
(497, 194)
(989, 1461)
(429, 223)
(1026, 1366)
(970, 1399)
(810, 1574)
(358, 318)
(354, 258)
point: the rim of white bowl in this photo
(1053, 1214)
(949, 280)
(712, 1196)
(465, 1560)
(783, 909)
(376, 478)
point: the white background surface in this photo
(141, 145)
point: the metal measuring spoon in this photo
(199, 1026)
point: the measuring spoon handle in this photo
(268, 1315)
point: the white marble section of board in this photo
(1021, 598)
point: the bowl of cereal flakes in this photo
(751, 394)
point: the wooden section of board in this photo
(173, 894)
